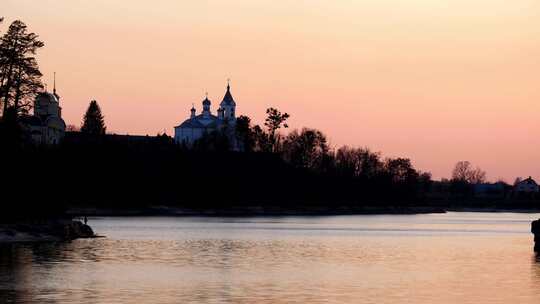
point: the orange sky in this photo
(436, 81)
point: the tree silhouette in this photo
(20, 78)
(215, 141)
(93, 121)
(305, 149)
(261, 139)
(465, 173)
(72, 128)
(244, 134)
(274, 121)
(358, 162)
(401, 170)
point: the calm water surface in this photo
(436, 258)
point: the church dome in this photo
(50, 97)
(206, 102)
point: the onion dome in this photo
(206, 105)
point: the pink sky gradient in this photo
(436, 81)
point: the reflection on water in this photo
(440, 258)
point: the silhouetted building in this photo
(46, 125)
(528, 185)
(196, 126)
(487, 190)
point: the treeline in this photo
(308, 150)
(115, 172)
(297, 172)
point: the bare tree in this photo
(401, 170)
(464, 172)
(72, 128)
(305, 149)
(358, 162)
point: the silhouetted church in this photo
(46, 126)
(196, 126)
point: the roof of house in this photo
(528, 181)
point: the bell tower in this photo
(228, 105)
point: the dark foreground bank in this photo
(44, 231)
(121, 176)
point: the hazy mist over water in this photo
(436, 258)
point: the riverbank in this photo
(280, 211)
(251, 211)
(494, 210)
(44, 231)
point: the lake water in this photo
(433, 258)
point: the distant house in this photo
(528, 185)
(46, 126)
(487, 190)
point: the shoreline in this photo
(493, 210)
(67, 230)
(44, 231)
(262, 212)
(251, 211)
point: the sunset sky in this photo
(437, 81)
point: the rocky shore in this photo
(44, 231)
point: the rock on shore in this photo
(535, 229)
(44, 231)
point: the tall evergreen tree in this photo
(20, 78)
(93, 121)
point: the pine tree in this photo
(20, 78)
(93, 121)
